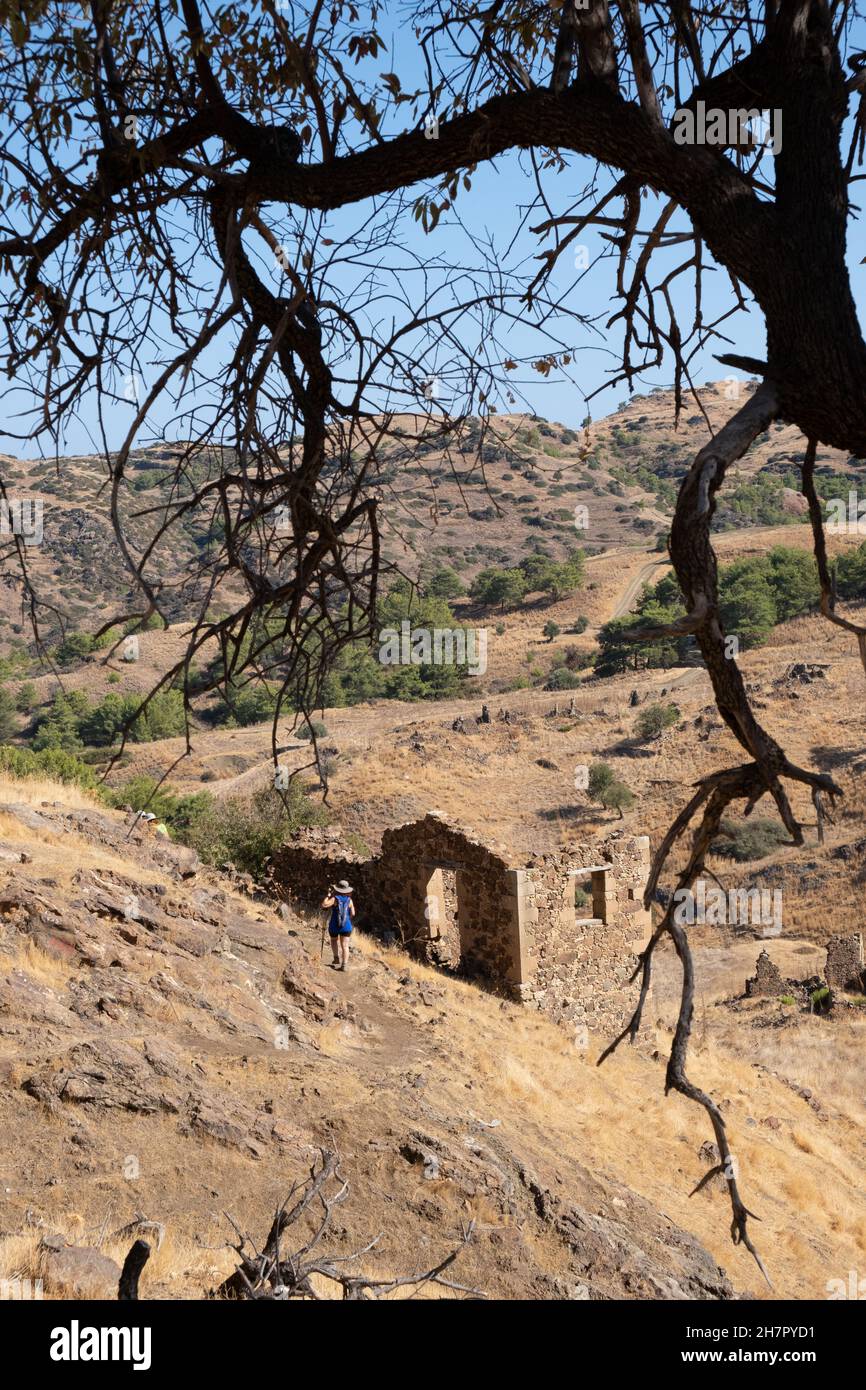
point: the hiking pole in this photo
(324, 925)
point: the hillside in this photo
(484, 495)
(163, 1018)
(172, 1051)
(513, 780)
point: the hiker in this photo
(339, 900)
(151, 825)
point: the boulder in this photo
(77, 1271)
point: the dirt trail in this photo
(632, 589)
(724, 541)
(376, 1037)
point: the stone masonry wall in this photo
(767, 979)
(515, 927)
(581, 962)
(305, 868)
(487, 922)
(844, 968)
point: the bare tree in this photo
(170, 172)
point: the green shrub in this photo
(821, 999)
(561, 678)
(251, 704)
(652, 721)
(505, 588)
(72, 722)
(314, 729)
(59, 727)
(163, 718)
(605, 788)
(600, 776)
(851, 573)
(53, 763)
(179, 810)
(25, 698)
(247, 832)
(74, 647)
(8, 721)
(445, 583)
(618, 797)
(753, 838)
(100, 726)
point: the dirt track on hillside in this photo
(632, 589)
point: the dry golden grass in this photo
(803, 1179)
(38, 965)
(826, 1059)
(32, 791)
(178, 1268)
(63, 852)
(19, 1257)
(488, 1060)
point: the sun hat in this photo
(343, 887)
(148, 815)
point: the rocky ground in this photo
(172, 1050)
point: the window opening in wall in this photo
(590, 893)
(582, 897)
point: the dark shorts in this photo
(335, 931)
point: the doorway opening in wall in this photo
(442, 912)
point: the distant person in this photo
(339, 900)
(153, 826)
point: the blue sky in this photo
(493, 209)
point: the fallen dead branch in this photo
(280, 1274)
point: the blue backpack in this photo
(343, 919)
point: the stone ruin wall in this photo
(304, 870)
(844, 968)
(767, 979)
(409, 879)
(517, 927)
(581, 963)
